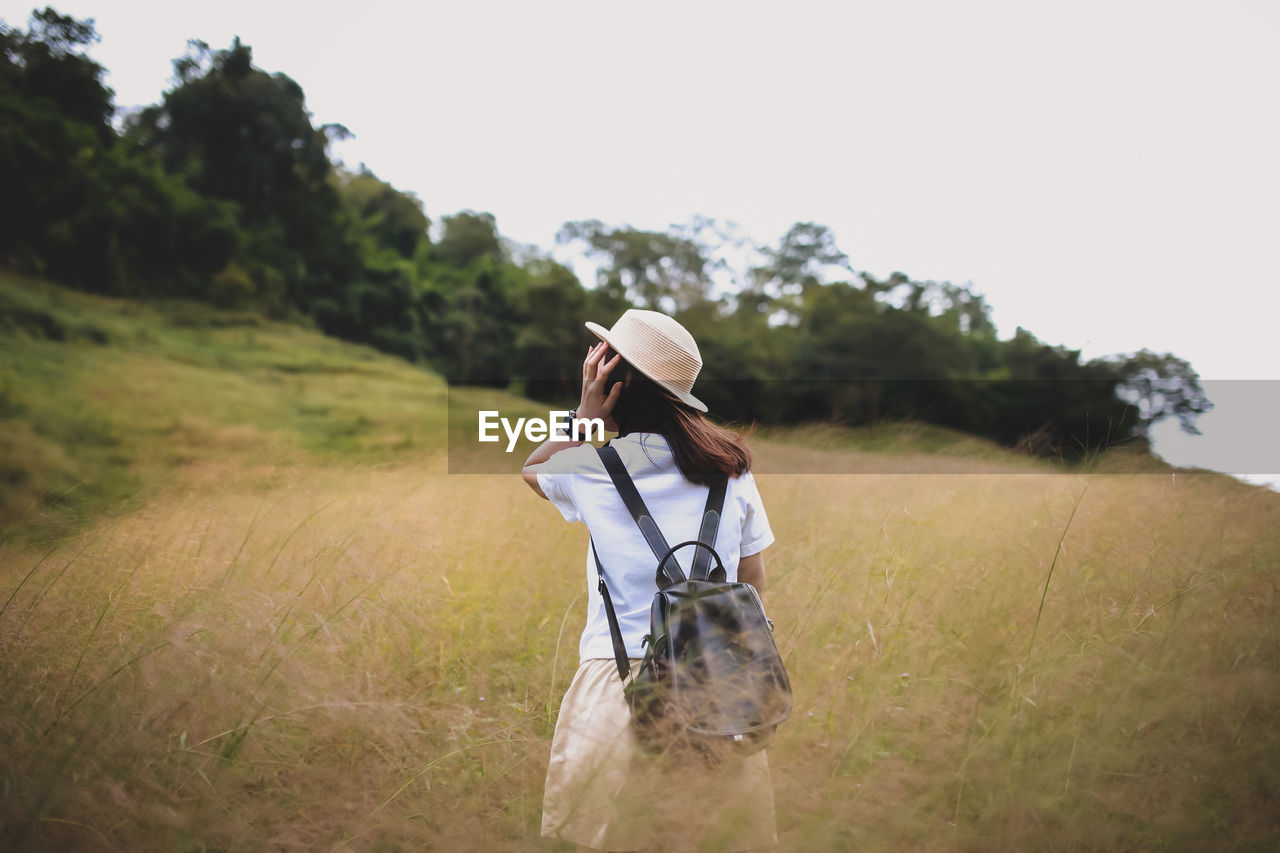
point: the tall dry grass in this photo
(372, 658)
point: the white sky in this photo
(1104, 172)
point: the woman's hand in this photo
(595, 404)
(595, 371)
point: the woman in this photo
(601, 792)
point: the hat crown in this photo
(662, 344)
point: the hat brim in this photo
(683, 396)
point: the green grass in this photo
(278, 623)
(102, 400)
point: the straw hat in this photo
(658, 347)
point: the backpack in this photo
(711, 677)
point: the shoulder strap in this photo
(635, 505)
(711, 513)
(640, 513)
(615, 632)
(701, 569)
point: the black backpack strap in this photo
(657, 542)
(669, 570)
(640, 513)
(701, 569)
(615, 632)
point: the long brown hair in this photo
(703, 451)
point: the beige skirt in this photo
(603, 792)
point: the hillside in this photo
(261, 614)
(104, 401)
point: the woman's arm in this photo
(594, 404)
(544, 452)
(751, 570)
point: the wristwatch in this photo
(568, 430)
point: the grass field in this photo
(258, 614)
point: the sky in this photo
(1103, 172)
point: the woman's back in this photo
(576, 482)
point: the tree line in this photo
(225, 192)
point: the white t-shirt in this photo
(575, 480)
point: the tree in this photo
(870, 361)
(804, 257)
(45, 65)
(243, 135)
(468, 237)
(475, 299)
(548, 346)
(956, 306)
(54, 117)
(1161, 386)
(745, 373)
(393, 220)
(79, 206)
(1052, 404)
(657, 270)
